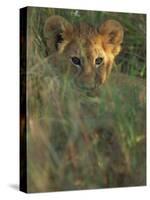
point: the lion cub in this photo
(86, 52)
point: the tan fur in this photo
(86, 43)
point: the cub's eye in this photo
(98, 61)
(76, 60)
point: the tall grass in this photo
(80, 141)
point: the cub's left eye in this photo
(98, 61)
(76, 61)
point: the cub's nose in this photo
(87, 84)
(86, 80)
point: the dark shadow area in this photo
(14, 186)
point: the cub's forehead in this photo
(85, 40)
(85, 47)
(90, 45)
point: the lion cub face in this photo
(87, 51)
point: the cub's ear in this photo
(57, 32)
(112, 32)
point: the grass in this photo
(80, 141)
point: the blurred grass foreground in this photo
(78, 141)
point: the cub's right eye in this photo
(76, 61)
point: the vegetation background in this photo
(76, 141)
